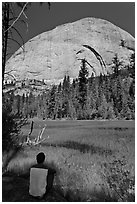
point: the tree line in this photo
(101, 97)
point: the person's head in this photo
(40, 158)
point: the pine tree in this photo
(132, 66)
(66, 93)
(110, 111)
(51, 102)
(103, 108)
(83, 80)
(59, 87)
(116, 65)
(72, 110)
(117, 94)
(18, 104)
(58, 105)
(66, 84)
(125, 111)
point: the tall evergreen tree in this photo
(51, 102)
(66, 84)
(132, 65)
(83, 80)
(116, 65)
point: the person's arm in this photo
(52, 171)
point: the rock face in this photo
(58, 52)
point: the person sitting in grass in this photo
(41, 177)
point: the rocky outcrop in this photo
(58, 52)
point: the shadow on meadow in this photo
(83, 148)
(114, 128)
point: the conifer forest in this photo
(92, 97)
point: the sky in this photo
(40, 19)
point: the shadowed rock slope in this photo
(58, 52)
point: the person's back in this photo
(38, 181)
(41, 177)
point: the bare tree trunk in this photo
(5, 25)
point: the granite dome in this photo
(55, 53)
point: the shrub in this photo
(9, 129)
(11, 124)
(119, 179)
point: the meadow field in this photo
(93, 159)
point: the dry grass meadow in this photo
(82, 152)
